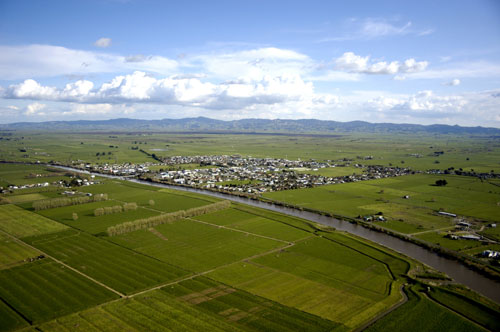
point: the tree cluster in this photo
(130, 206)
(441, 183)
(145, 223)
(108, 210)
(66, 201)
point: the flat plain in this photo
(242, 268)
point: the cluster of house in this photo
(26, 186)
(452, 171)
(239, 161)
(491, 254)
(118, 169)
(258, 175)
(373, 218)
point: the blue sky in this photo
(391, 61)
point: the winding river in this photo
(456, 270)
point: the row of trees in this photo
(130, 206)
(66, 201)
(145, 223)
(102, 211)
(108, 210)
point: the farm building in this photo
(470, 237)
(447, 214)
(490, 254)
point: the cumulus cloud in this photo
(103, 42)
(453, 82)
(140, 87)
(34, 109)
(353, 63)
(422, 104)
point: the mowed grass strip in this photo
(13, 252)
(20, 223)
(245, 221)
(45, 289)
(195, 246)
(245, 309)
(119, 268)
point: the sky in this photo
(399, 61)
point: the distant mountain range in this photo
(207, 125)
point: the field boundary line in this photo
(239, 230)
(453, 310)
(246, 259)
(385, 313)
(66, 265)
(431, 230)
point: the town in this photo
(247, 174)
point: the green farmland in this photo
(417, 215)
(416, 151)
(237, 269)
(46, 289)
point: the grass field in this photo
(480, 153)
(334, 171)
(9, 319)
(20, 223)
(195, 246)
(88, 222)
(464, 196)
(19, 174)
(479, 313)
(422, 314)
(45, 289)
(193, 305)
(247, 310)
(121, 269)
(13, 252)
(246, 221)
(320, 277)
(262, 271)
(165, 200)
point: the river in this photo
(456, 270)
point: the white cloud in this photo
(373, 28)
(33, 61)
(251, 64)
(142, 88)
(460, 69)
(34, 109)
(422, 104)
(353, 63)
(103, 42)
(453, 82)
